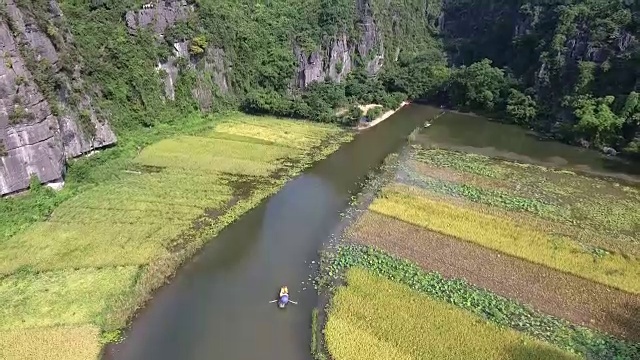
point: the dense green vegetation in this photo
(257, 38)
(567, 68)
(570, 66)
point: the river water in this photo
(476, 134)
(217, 307)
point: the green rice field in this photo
(98, 255)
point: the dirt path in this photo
(577, 300)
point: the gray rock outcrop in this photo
(33, 140)
(336, 60)
(158, 14)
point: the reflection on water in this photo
(470, 133)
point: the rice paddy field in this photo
(70, 281)
(465, 256)
(373, 317)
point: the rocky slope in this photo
(45, 116)
(333, 60)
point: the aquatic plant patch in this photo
(66, 297)
(54, 343)
(373, 317)
(508, 236)
(577, 300)
(463, 162)
(501, 311)
(602, 205)
(484, 196)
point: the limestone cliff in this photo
(45, 117)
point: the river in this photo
(217, 307)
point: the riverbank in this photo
(143, 221)
(580, 315)
(366, 108)
(275, 243)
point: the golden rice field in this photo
(510, 237)
(69, 343)
(101, 252)
(374, 318)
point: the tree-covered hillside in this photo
(249, 54)
(567, 68)
(572, 65)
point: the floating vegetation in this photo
(485, 196)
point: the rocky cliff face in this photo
(43, 118)
(336, 60)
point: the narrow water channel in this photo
(475, 134)
(217, 307)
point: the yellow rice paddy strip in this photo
(58, 343)
(507, 236)
(374, 318)
(295, 134)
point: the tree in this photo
(595, 118)
(479, 86)
(421, 76)
(198, 44)
(521, 108)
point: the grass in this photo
(122, 223)
(374, 318)
(575, 299)
(507, 236)
(66, 297)
(57, 343)
(485, 305)
(93, 253)
(296, 134)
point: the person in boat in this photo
(284, 296)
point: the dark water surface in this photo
(476, 134)
(217, 307)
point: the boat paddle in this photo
(291, 301)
